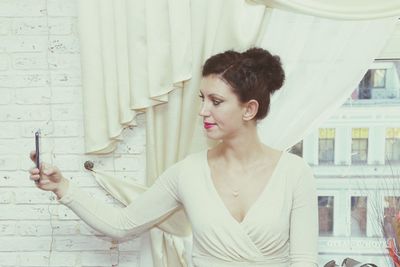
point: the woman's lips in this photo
(208, 125)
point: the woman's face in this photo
(221, 109)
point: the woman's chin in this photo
(209, 134)
(213, 136)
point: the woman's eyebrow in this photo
(216, 95)
(212, 95)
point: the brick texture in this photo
(40, 87)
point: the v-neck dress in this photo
(279, 230)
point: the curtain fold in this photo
(132, 52)
(339, 9)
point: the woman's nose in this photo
(204, 112)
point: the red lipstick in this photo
(208, 125)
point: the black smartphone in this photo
(37, 145)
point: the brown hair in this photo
(253, 74)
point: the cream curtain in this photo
(338, 9)
(324, 61)
(132, 53)
(146, 56)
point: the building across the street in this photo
(355, 156)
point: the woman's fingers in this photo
(43, 182)
(32, 155)
(34, 170)
(34, 174)
(49, 171)
(43, 176)
(35, 177)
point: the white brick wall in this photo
(40, 87)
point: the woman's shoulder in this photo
(188, 165)
(192, 166)
(296, 160)
(298, 169)
(193, 159)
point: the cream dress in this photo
(279, 230)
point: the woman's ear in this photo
(250, 110)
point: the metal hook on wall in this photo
(88, 165)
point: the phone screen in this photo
(37, 144)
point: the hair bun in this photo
(262, 62)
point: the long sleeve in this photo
(150, 208)
(304, 222)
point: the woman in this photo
(248, 204)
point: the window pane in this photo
(325, 213)
(297, 149)
(393, 133)
(391, 209)
(364, 88)
(396, 150)
(392, 145)
(392, 150)
(363, 156)
(361, 133)
(363, 145)
(326, 150)
(327, 133)
(329, 145)
(358, 216)
(379, 76)
(359, 150)
(392, 204)
(389, 149)
(355, 145)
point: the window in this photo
(380, 82)
(358, 216)
(378, 78)
(392, 146)
(392, 206)
(326, 151)
(325, 214)
(373, 79)
(391, 209)
(359, 146)
(297, 149)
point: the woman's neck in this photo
(243, 149)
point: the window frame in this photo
(328, 135)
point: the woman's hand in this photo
(48, 178)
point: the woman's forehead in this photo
(214, 84)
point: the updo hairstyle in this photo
(253, 74)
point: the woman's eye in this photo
(216, 102)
